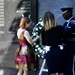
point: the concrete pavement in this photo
(8, 71)
(13, 71)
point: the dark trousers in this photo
(68, 65)
(69, 52)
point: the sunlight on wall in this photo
(1, 72)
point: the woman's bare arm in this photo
(29, 39)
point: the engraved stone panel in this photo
(10, 14)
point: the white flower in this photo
(44, 52)
(36, 28)
(34, 43)
(38, 55)
(35, 49)
(34, 34)
(42, 56)
(40, 27)
(41, 22)
(37, 46)
(40, 51)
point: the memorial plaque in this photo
(10, 14)
(27, 7)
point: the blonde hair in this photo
(49, 21)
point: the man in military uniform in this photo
(69, 27)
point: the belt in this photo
(47, 48)
(70, 39)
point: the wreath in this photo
(38, 47)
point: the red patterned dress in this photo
(21, 53)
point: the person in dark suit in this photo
(69, 27)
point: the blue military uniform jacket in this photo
(69, 28)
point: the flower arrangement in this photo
(38, 47)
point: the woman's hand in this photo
(35, 39)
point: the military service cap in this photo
(65, 9)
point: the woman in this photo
(52, 35)
(24, 25)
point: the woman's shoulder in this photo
(60, 26)
(20, 29)
(26, 32)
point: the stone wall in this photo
(54, 6)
